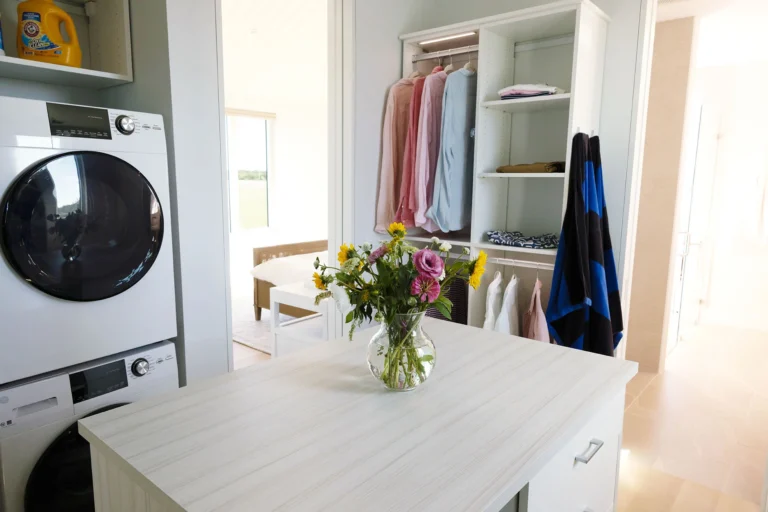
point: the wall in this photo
(179, 80)
(276, 61)
(378, 64)
(668, 99)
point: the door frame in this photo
(340, 136)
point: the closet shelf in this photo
(553, 102)
(443, 238)
(550, 175)
(20, 69)
(493, 247)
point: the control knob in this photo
(125, 125)
(140, 367)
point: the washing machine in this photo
(45, 465)
(85, 231)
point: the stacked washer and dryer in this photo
(87, 297)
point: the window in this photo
(248, 156)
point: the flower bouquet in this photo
(395, 284)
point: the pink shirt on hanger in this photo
(394, 133)
(404, 212)
(535, 325)
(427, 149)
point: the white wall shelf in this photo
(487, 246)
(20, 69)
(444, 237)
(104, 35)
(537, 175)
(552, 102)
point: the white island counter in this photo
(502, 423)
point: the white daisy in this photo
(340, 295)
(445, 247)
(435, 240)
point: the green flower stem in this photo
(402, 359)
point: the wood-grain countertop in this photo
(315, 431)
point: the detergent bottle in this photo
(39, 37)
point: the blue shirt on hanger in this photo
(452, 194)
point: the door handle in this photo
(594, 447)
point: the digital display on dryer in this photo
(82, 122)
(98, 381)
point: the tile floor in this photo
(696, 437)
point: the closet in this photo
(562, 45)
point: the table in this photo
(303, 332)
(503, 423)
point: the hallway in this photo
(696, 437)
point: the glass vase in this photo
(400, 355)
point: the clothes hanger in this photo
(468, 65)
(449, 68)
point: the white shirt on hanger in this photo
(508, 321)
(493, 302)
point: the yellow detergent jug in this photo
(39, 37)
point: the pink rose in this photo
(426, 289)
(428, 264)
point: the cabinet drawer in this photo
(582, 476)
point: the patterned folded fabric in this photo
(517, 239)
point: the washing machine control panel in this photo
(125, 124)
(140, 367)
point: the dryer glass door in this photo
(81, 226)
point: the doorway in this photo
(277, 146)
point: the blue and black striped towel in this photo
(584, 309)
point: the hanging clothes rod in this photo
(522, 263)
(446, 53)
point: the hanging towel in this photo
(451, 208)
(508, 321)
(584, 305)
(393, 150)
(427, 149)
(534, 320)
(404, 212)
(493, 302)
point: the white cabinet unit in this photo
(104, 32)
(560, 44)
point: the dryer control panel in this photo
(73, 391)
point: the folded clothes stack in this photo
(517, 239)
(528, 91)
(538, 167)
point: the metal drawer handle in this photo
(584, 459)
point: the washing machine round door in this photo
(62, 479)
(81, 226)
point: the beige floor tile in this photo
(694, 497)
(637, 385)
(728, 503)
(746, 482)
(696, 437)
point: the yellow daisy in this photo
(345, 252)
(318, 279)
(397, 230)
(478, 269)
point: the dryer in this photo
(85, 232)
(45, 464)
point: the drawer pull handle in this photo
(594, 447)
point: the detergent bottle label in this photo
(34, 40)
